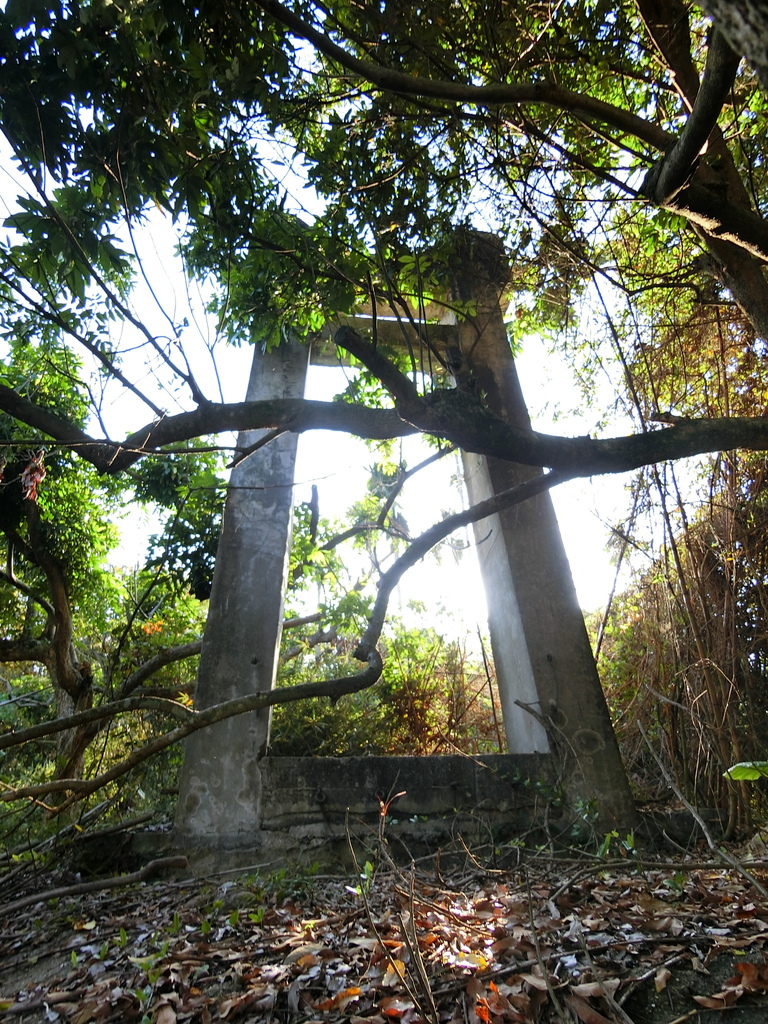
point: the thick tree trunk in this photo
(745, 25)
(717, 180)
(72, 744)
(72, 681)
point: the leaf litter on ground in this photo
(549, 942)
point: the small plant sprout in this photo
(366, 881)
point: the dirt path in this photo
(555, 941)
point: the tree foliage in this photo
(402, 144)
(301, 161)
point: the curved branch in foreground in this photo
(191, 720)
(16, 737)
(79, 788)
(453, 415)
(404, 84)
(460, 417)
(296, 414)
(418, 548)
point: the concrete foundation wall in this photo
(310, 806)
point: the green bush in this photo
(431, 699)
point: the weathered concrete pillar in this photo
(514, 673)
(220, 789)
(541, 649)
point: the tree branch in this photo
(51, 424)
(667, 23)
(453, 415)
(60, 662)
(16, 737)
(703, 199)
(158, 661)
(25, 649)
(65, 891)
(460, 417)
(703, 203)
(302, 620)
(295, 414)
(668, 176)
(322, 636)
(545, 93)
(419, 547)
(333, 688)
(61, 322)
(402, 389)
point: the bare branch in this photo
(419, 547)
(25, 649)
(244, 453)
(322, 636)
(460, 417)
(81, 718)
(303, 620)
(158, 661)
(50, 423)
(496, 94)
(453, 415)
(10, 579)
(380, 524)
(333, 688)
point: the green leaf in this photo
(747, 771)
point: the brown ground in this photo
(551, 941)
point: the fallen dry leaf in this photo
(198, 962)
(595, 989)
(166, 1015)
(586, 1013)
(720, 1000)
(661, 978)
(754, 977)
